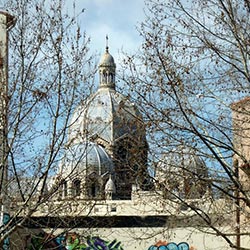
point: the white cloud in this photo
(117, 18)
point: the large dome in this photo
(85, 159)
(108, 115)
(182, 171)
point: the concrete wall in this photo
(142, 238)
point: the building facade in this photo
(103, 188)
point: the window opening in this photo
(76, 187)
(65, 189)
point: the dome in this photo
(107, 71)
(108, 115)
(182, 171)
(115, 128)
(110, 186)
(85, 159)
(107, 60)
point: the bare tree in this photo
(50, 73)
(193, 64)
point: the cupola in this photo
(107, 70)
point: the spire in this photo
(107, 69)
(107, 44)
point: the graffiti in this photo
(96, 243)
(6, 242)
(93, 243)
(61, 241)
(44, 241)
(163, 245)
(71, 241)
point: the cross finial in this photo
(107, 45)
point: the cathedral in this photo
(102, 188)
(107, 147)
(107, 150)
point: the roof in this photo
(108, 115)
(86, 158)
(107, 60)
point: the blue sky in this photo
(117, 18)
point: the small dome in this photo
(183, 171)
(110, 186)
(87, 158)
(107, 60)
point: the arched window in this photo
(93, 191)
(110, 77)
(65, 189)
(105, 76)
(76, 187)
